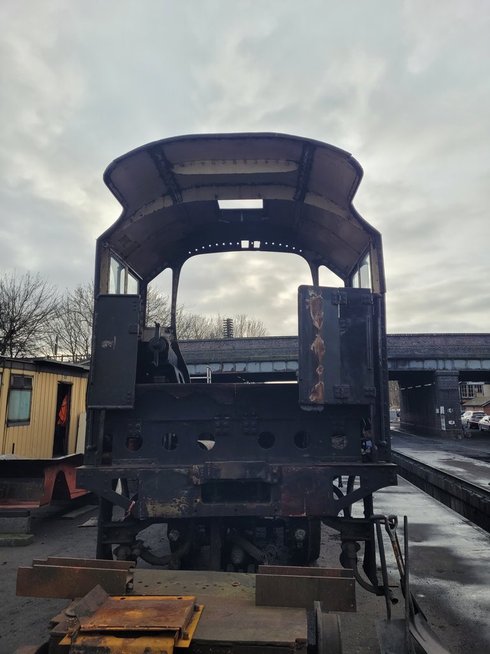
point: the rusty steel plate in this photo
(137, 613)
(301, 571)
(68, 581)
(230, 614)
(109, 644)
(336, 593)
(85, 563)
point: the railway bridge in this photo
(428, 368)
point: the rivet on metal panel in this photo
(339, 298)
(250, 425)
(195, 475)
(341, 391)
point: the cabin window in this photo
(19, 400)
(362, 276)
(132, 285)
(121, 280)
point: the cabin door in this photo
(337, 332)
(62, 420)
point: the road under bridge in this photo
(428, 368)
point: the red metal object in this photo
(31, 483)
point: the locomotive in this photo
(237, 474)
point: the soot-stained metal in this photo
(236, 474)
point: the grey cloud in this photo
(403, 85)
(263, 285)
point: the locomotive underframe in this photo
(177, 498)
(168, 493)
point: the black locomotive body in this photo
(237, 473)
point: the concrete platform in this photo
(450, 567)
(449, 459)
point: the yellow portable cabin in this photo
(42, 429)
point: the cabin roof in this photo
(170, 192)
(42, 364)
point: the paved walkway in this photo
(470, 463)
(477, 446)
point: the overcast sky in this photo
(403, 86)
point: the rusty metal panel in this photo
(231, 620)
(84, 563)
(246, 626)
(136, 613)
(108, 644)
(336, 346)
(113, 373)
(68, 581)
(300, 571)
(336, 593)
(149, 623)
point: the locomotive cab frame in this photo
(239, 474)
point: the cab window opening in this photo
(121, 280)
(361, 277)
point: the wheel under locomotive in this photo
(237, 473)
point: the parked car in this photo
(484, 424)
(470, 419)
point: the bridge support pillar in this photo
(432, 407)
(448, 403)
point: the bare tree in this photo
(191, 326)
(71, 332)
(157, 307)
(194, 326)
(71, 329)
(245, 327)
(28, 306)
(197, 327)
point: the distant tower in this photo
(228, 328)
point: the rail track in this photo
(470, 500)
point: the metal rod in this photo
(384, 571)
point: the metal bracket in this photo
(339, 298)
(341, 391)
